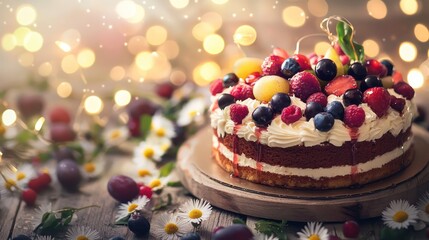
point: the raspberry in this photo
(303, 84)
(397, 103)
(252, 78)
(36, 184)
(280, 52)
(404, 89)
(242, 92)
(318, 97)
(45, 179)
(145, 191)
(303, 61)
(340, 85)
(378, 99)
(291, 114)
(29, 196)
(216, 87)
(272, 64)
(238, 112)
(354, 116)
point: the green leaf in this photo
(278, 229)
(174, 184)
(345, 38)
(394, 234)
(145, 124)
(238, 221)
(163, 203)
(166, 169)
(123, 221)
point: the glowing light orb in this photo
(245, 35)
(170, 49)
(293, 16)
(8, 117)
(376, 9)
(318, 8)
(64, 89)
(220, 2)
(144, 61)
(138, 16)
(137, 44)
(26, 15)
(206, 72)
(86, 58)
(421, 32)
(69, 64)
(156, 35)
(33, 42)
(117, 73)
(9, 42)
(371, 47)
(213, 19)
(93, 105)
(45, 69)
(20, 34)
(39, 124)
(415, 78)
(126, 9)
(63, 46)
(71, 37)
(122, 98)
(409, 7)
(321, 47)
(179, 3)
(213, 44)
(177, 77)
(407, 51)
(202, 30)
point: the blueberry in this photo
(324, 121)
(312, 109)
(357, 70)
(138, 224)
(279, 101)
(225, 100)
(229, 80)
(21, 237)
(117, 238)
(336, 109)
(191, 236)
(370, 82)
(352, 96)
(326, 70)
(389, 65)
(262, 116)
(289, 67)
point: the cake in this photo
(312, 122)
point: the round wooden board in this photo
(203, 178)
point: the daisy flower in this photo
(195, 211)
(163, 143)
(39, 212)
(169, 227)
(313, 231)
(115, 136)
(93, 169)
(399, 214)
(145, 172)
(46, 237)
(162, 127)
(125, 209)
(260, 236)
(147, 151)
(423, 207)
(19, 178)
(82, 232)
(157, 183)
(191, 111)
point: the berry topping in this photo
(314, 58)
(334, 56)
(324, 121)
(29, 196)
(354, 116)
(326, 70)
(374, 67)
(290, 67)
(291, 114)
(312, 109)
(378, 99)
(216, 87)
(404, 89)
(279, 101)
(352, 96)
(229, 80)
(318, 97)
(245, 66)
(357, 70)
(345, 60)
(336, 109)
(252, 78)
(242, 92)
(303, 61)
(387, 82)
(238, 112)
(397, 77)
(280, 52)
(225, 100)
(338, 49)
(370, 82)
(397, 103)
(303, 84)
(350, 229)
(389, 66)
(272, 65)
(262, 116)
(267, 86)
(340, 85)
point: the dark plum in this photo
(234, 231)
(122, 188)
(68, 174)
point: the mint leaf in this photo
(269, 228)
(345, 38)
(166, 169)
(238, 221)
(145, 124)
(174, 184)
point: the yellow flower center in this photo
(144, 173)
(427, 209)
(20, 176)
(400, 216)
(193, 113)
(9, 183)
(160, 132)
(132, 207)
(148, 152)
(115, 134)
(155, 183)
(171, 228)
(81, 237)
(195, 213)
(165, 146)
(89, 167)
(314, 237)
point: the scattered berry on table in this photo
(234, 231)
(122, 188)
(138, 224)
(351, 229)
(29, 196)
(145, 191)
(191, 236)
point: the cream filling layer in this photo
(315, 173)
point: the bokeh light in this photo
(318, 8)
(220, 2)
(407, 51)
(69, 64)
(421, 32)
(137, 44)
(93, 105)
(45, 69)
(86, 58)
(202, 30)
(122, 98)
(8, 42)
(213, 44)
(117, 73)
(294, 16)
(415, 78)
(372, 49)
(213, 19)
(145, 61)
(170, 49)
(177, 77)
(179, 3)
(321, 47)
(409, 7)
(376, 9)
(206, 72)
(33, 41)
(156, 35)
(20, 34)
(26, 59)
(245, 35)
(63, 46)
(8, 117)
(26, 15)
(64, 89)
(126, 9)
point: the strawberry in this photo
(397, 103)
(280, 52)
(378, 99)
(272, 64)
(303, 84)
(404, 89)
(252, 78)
(242, 92)
(318, 97)
(216, 87)
(238, 112)
(354, 116)
(339, 85)
(291, 114)
(374, 67)
(303, 61)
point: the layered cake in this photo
(313, 122)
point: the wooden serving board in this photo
(205, 179)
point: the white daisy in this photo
(423, 207)
(261, 236)
(399, 214)
(191, 111)
(195, 211)
(163, 143)
(93, 169)
(18, 178)
(145, 172)
(157, 183)
(125, 209)
(162, 127)
(169, 227)
(314, 231)
(39, 212)
(45, 237)
(147, 151)
(115, 136)
(82, 233)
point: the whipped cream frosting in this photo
(303, 132)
